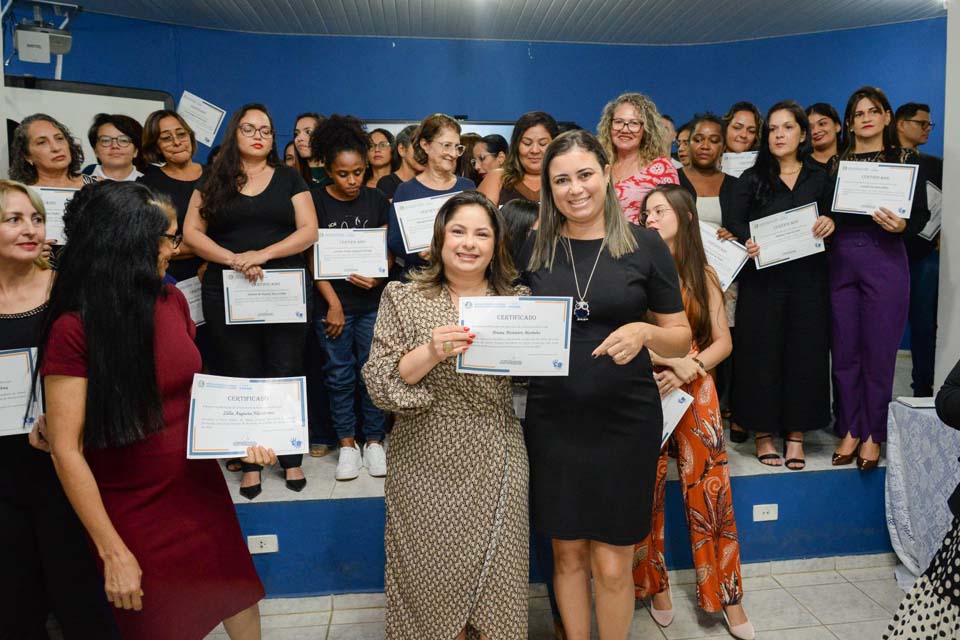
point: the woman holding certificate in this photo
(870, 280)
(437, 147)
(781, 381)
(346, 330)
(174, 561)
(593, 437)
(252, 214)
(697, 440)
(47, 560)
(457, 534)
(633, 136)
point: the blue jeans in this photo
(924, 284)
(346, 355)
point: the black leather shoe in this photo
(296, 485)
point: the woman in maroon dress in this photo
(118, 361)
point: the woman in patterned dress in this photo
(631, 133)
(457, 528)
(698, 439)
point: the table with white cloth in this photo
(922, 471)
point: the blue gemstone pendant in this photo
(581, 310)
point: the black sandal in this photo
(767, 456)
(798, 463)
(739, 434)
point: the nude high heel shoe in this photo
(743, 631)
(663, 617)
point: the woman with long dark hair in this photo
(310, 168)
(593, 437)
(118, 396)
(45, 551)
(489, 154)
(168, 145)
(697, 440)
(781, 380)
(825, 128)
(520, 175)
(251, 214)
(407, 168)
(870, 286)
(457, 550)
(742, 125)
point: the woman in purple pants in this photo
(869, 286)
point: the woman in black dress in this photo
(781, 370)
(593, 437)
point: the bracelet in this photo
(697, 360)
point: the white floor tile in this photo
(886, 593)
(838, 603)
(808, 578)
(872, 630)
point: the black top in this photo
(250, 223)
(368, 210)
(593, 437)
(813, 185)
(726, 189)
(919, 214)
(179, 192)
(932, 167)
(388, 184)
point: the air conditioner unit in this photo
(36, 43)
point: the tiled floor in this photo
(850, 598)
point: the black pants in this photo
(48, 565)
(252, 351)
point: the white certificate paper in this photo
(517, 336)
(416, 218)
(54, 202)
(227, 415)
(16, 378)
(935, 205)
(204, 118)
(786, 236)
(280, 298)
(864, 187)
(675, 404)
(734, 164)
(190, 288)
(339, 253)
(727, 257)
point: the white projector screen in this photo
(76, 103)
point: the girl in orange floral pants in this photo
(698, 441)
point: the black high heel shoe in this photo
(252, 491)
(794, 464)
(738, 435)
(295, 485)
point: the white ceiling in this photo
(598, 21)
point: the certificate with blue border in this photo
(864, 187)
(339, 253)
(517, 335)
(280, 298)
(17, 411)
(227, 415)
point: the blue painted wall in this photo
(382, 78)
(336, 546)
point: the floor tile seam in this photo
(872, 599)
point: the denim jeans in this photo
(346, 355)
(924, 284)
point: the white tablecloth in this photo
(922, 471)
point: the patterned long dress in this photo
(457, 531)
(698, 443)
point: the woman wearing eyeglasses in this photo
(115, 139)
(520, 176)
(170, 142)
(252, 213)
(631, 133)
(437, 147)
(381, 159)
(489, 154)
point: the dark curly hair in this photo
(22, 170)
(337, 134)
(226, 175)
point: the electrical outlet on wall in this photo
(263, 544)
(765, 512)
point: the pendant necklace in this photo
(581, 308)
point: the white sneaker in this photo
(348, 467)
(375, 458)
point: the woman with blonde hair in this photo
(635, 140)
